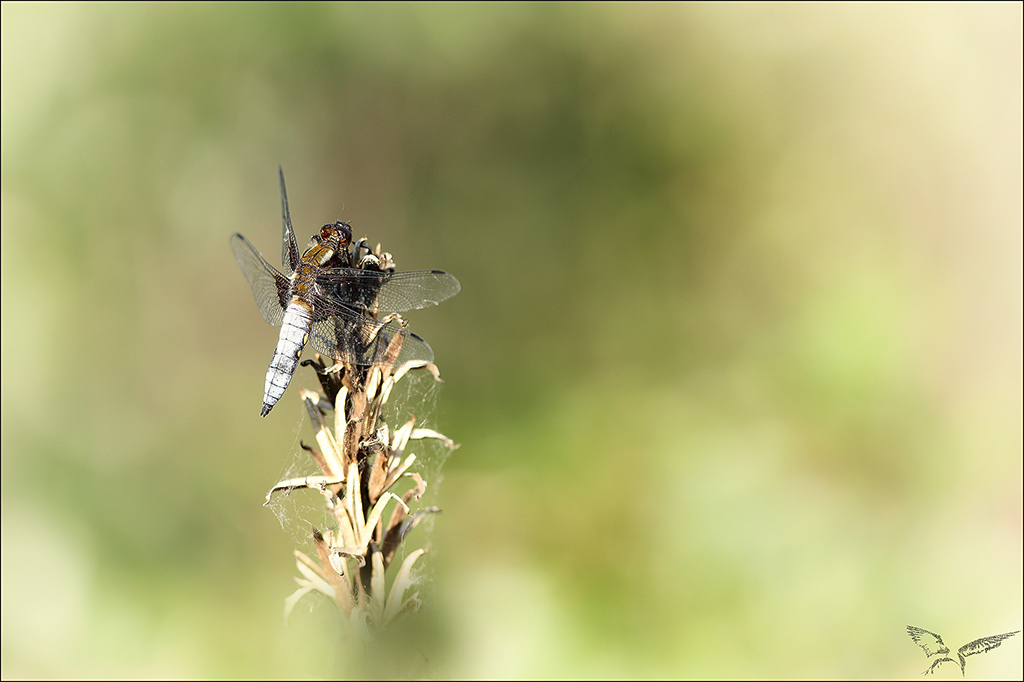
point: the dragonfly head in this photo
(335, 236)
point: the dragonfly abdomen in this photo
(294, 333)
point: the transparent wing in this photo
(289, 247)
(384, 293)
(361, 340)
(980, 646)
(269, 287)
(348, 301)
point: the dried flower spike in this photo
(347, 299)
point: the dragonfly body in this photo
(294, 333)
(332, 298)
(298, 315)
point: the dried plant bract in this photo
(346, 299)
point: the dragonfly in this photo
(336, 297)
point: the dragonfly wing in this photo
(384, 293)
(289, 247)
(342, 333)
(398, 345)
(414, 351)
(416, 289)
(324, 336)
(362, 340)
(269, 287)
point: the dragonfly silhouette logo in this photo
(934, 646)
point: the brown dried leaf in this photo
(354, 426)
(293, 599)
(401, 437)
(403, 581)
(320, 483)
(418, 434)
(397, 472)
(377, 585)
(342, 597)
(377, 475)
(398, 531)
(325, 439)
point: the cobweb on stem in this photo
(366, 477)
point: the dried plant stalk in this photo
(360, 461)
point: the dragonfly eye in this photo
(344, 233)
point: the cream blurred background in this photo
(736, 369)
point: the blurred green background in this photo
(736, 368)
